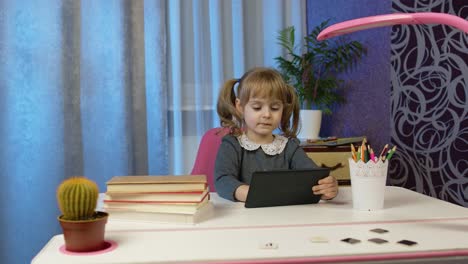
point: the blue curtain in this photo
(106, 88)
(81, 94)
(32, 125)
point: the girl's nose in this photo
(267, 113)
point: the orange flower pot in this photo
(85, 235)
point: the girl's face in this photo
(261, 117)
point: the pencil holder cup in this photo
(368, 181)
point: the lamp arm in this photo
(363, 23)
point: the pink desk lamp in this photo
(358, 24)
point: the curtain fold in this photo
(156, 83)
(136, 94)
(106, 88)
(216, 57)
(105, 92)
(237, 48)
(32, 126)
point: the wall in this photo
(411, 90)
(367, 110)
(429, 103)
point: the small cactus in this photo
(77, 198)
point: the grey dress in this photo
(234, 164)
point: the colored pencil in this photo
(353, 153)
(372, 155)
(363, 150)
(390, 153)
(364, 153)
(382, 154)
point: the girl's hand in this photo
(327, 188)
(241, 193)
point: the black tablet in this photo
(284, 187)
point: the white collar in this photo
(273, 148)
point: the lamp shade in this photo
(363, 23)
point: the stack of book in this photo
(332, 141)
(179, 199)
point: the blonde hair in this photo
(260, 83)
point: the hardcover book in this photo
(157, 183)
(157, 207)
(333, 141)
(162, 197)
(203, 213)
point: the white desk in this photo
(234, 234)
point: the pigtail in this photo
(226, 107)
(290, 119)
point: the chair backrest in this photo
(206, 155)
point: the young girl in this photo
(261, 103)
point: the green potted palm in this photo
(312, 68)
(83, 227)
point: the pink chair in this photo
(206, 155)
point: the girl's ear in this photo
(239, 107)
